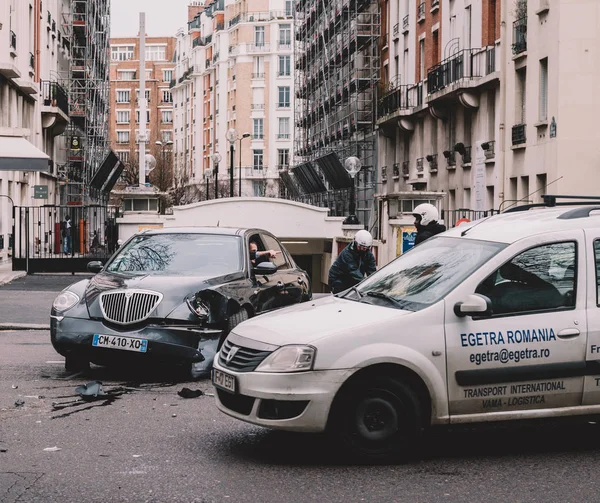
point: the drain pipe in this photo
(504, 47)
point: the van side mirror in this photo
(95, 266)
(473, 305)
(265, 268)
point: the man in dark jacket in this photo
(354, 263)
(426, 221)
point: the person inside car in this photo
(354, 263)
(258, 257)
(426, 221)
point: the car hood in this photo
(310, 321)
(174, 289)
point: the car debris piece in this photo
(190, 393)
(91, 391)
(14, 386)
(19, 403)
(52, 449)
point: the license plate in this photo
(120, 342)
(223, 381)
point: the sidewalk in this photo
(7, 274)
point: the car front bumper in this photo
(73, 336)
(298, 401)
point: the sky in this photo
(163, 17)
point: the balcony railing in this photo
(421, 12)
(54, 95)
(384, 173)
(258, 136)
(13, 40)
(255, 171)
(519, 135)
(433, 162)
(405, 169)
(519, 36)
(395, 99)
(284, 44)
(489, 149)
(435, 3)
(258, 75)
(450, 156)
(257, 106)
(283, 136)
(31, 60)
(396, 171)
(405, 24)
(466, 64)
(420, 165)
(396, 31)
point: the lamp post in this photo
(232, 136)
(352, 166)
(245, 135)
(163, 160)
(216, 160)
(207, 175)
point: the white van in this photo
(493, 320)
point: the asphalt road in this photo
(145, 443)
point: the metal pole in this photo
(216, 180)
(231, 169)
(142, 101)
(240, 180)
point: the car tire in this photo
(236, 318)
(76, 363)
(378, 419)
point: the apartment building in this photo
(124, 98)
(34, 111)
(234, 66)
(482, 104)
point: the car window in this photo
(597, 259)
(429, 272)
(179, 254)
(272, 244)
(539, 279)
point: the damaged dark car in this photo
(171, 296)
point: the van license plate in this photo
(223, 381)
(119, 342)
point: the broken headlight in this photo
(65, 301)
(289, 359)
(198, 307)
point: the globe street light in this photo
(232, 136)
(352, 166)
(245, 135)
(216, 160)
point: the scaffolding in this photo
(87, 23)
(337, 73)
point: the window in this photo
(123, 96)
(121, 52)
(167, 97)
(126, 74)
(284, 97)
(539, 279)
(520, 98)
(167, 116)
(259, 35)
(468, 28)
(167, 75)
(285, 35)
(123, 117)
(166, 136)
(283, 158)
(258, 129)
(284, 128)
(156, 52)
(543, 89)
(123, 156)
(122, 136)
(285, 67)
(272, 244)
(259, 66)
(147, 93)
(422, 59)
(258, 188)
(257, 161)
(288, 8)
(137, 115)
(148, 74)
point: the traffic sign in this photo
(40, 192)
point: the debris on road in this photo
(190, 393)
(14, 386)
(91, 391)
(19, 403)
(52, 449)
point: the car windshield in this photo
(427, 273)
(179, 254)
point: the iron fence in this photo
(451, 217)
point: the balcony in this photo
(258, 47)
(284, 136)
(257, 106)
(258, 136)
(450, 156)
(396, 31)
(465, 65)
(384, 174)
(13, 44)
(54, 95)
(286, 45)
(256, 172)
(465, 152)
(519, 136)
(421, 12)
(433, 162)
(405, 24)
(519, 36)
(397, 98)
(405, 169)
(435, 4)
(396, 171)
(258, 75)
(489, 149)
(420, 167)
(31, 60)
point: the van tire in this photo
(378, 419)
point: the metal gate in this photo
(40, 245)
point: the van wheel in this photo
(378, 419)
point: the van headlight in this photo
(289, 359)
(65, 301)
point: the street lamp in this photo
(245, 135)
(163, 146)
(352, 166)
(232, 136)
(216, 157)
(207, 175)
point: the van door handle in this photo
(568, 333)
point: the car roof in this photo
(511, 227)
(223, 231)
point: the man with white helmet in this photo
(426, 221)
(354, 263)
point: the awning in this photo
(105, 178)
(17, 154)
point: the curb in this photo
(13, 327)
(4, 279)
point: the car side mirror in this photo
(95, 266)
(473, 305)
(265, 268)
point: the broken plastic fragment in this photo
(19, 402)
(52, 449)
(190, 393)
(90, 391)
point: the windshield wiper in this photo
(352, 289)
(380, 295)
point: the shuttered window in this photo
(543, 89)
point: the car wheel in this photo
(76, 363)
(378, 419)
(236, 318)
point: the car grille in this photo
(126, 307)
(244, 359)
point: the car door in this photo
(591, 387)
(267, 287)
(285, 280)
(530, 352)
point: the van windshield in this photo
(427, 273)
